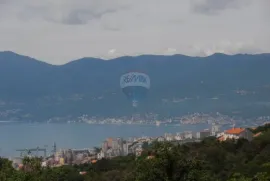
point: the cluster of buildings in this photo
(156, 119)
(113, 147)
(71, 156)
(189, 135)
(62, 157)
(194, 118)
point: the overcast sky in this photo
(58, 31)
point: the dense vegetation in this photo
(209, 160)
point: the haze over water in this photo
(22, 135)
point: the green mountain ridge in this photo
(91, 86)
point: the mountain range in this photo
(231, 84)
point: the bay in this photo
(76, 135)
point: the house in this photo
(235, 133)
(241, 133)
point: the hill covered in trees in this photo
(209, 160)
(179, 84)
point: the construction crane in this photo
(28, 152)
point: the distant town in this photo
(194, 118)
(150, 119)
(114, 147)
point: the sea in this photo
(15, 136)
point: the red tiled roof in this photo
(235, 131)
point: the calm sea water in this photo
(22, 135)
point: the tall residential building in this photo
(115, 144)
(126, 149)
(214, 129)
(105, 146)
(69, 157)
(120, 145)
(196, 135)
(109, 140)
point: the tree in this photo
(170, 164)
(6, 169)
(262, 177)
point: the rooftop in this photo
(235, 131)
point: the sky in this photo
(58, 31)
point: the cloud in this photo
(170, 51)
(226, 47)
(212, 7)
(112, 51)
(69, 12)
(58, 31)
(86, 11)
(3, 2)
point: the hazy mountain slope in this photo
(91, 85)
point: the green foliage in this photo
(263, 128)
